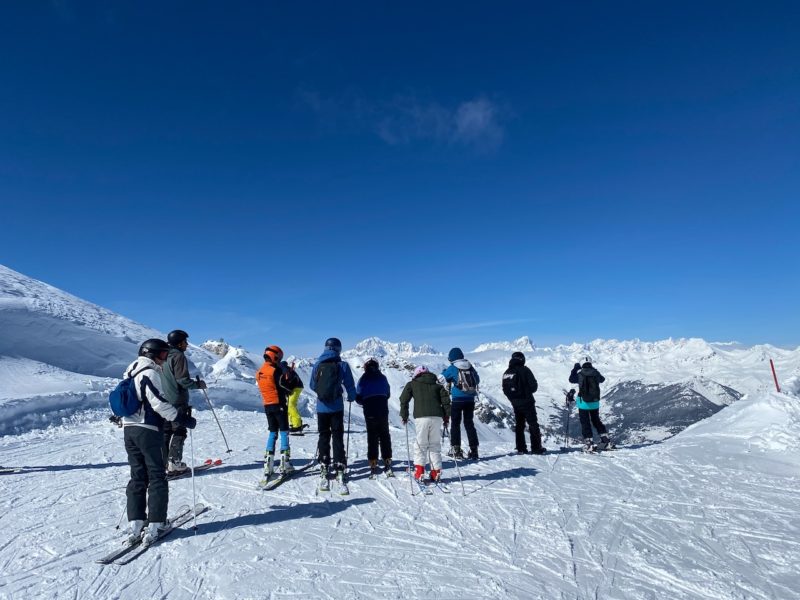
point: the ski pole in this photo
(408, 460)
(119, 521)
(194, 496)
(567, 396)
(347, 444)
(455, 460)
(213, 412)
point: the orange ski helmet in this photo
(273, 354)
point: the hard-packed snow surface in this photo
(710, 513)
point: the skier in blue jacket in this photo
(462, 380)
(372, 393)
(329, 375)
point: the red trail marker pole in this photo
(774, 376)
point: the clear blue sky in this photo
(449, 173)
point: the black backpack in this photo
(589, 389)
(328, 381)
(513, 386)
(466, 381)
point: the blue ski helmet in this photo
(455, 354)
(334, 344)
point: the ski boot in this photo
(341, 478)
(522, 451)
(324, 483)
(473, 453)
(175, 467)
(286, 466)
(435, 475)
(455, 452)
(606, 443)
(373, 467)
(153, 532)
(387, 467)
(135, 531)
(589, 446)
(269, 464)
(540, 450)
(419, 472)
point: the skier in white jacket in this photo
(148, 491)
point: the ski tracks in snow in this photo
(664, 521)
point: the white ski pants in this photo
(429, 441)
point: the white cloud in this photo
(406, 119)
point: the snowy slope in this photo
(710, 513)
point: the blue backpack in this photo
(124, 400)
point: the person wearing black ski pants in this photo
(467, 410)
(331, 425)
(526, 413)
(148, 475)
(589, 418)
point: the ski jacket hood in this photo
(155, 408)
(515, 362)
(329, 354)
(450, 375)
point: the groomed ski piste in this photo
(710, 513)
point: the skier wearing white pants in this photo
(431, 410)
(429, 442)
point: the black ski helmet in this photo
(334, 344)
(153, 348)
(177, 336)
(518, 356)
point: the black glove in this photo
(201, 385)
(184, 420)
(185, 411)
(446, 421)
(576, 366)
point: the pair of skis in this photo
(426, 487)
(130, 551)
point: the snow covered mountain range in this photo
(708, 513)
(59, 354)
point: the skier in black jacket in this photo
(589, 379)
(519, 385)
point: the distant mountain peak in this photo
(379, 348)
(522, 344)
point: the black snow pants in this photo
(331, 425)
(589, 418)
(526, 413)
(378, 434)
(467, 409)
(148, 486)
